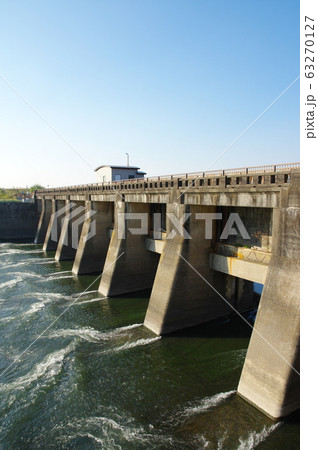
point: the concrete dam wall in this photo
(18, 221)
(199, 242)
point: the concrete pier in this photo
(180, 297)
(269, 378)
(44, 220)
(72, 224)
(55, 225)
(95, 237)
(129, 266)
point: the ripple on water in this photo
(255, 438)
(45, 370)
(91, 335)
(207, 403)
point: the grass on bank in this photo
(15, 194)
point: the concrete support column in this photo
(135, 269)
(268, 380)
(244, 294)
(55, 225)
(180, 298)
(46, 211)
(91, 253)
(71, 230)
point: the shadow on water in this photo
(231, 326)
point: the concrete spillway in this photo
(168, 234)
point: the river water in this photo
(97, 379)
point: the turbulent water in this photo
(80, 371)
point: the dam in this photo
(199, 241)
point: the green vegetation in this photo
(8, 195)
(35, 187)
(237, 244)
(15, 194)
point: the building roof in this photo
(118, 167)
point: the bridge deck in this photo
(270, 175)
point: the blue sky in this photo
(171, 82)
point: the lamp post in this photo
(127, 159)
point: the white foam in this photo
(90, 334)
(46, 261)
(14, 265)
(58, 273)
(129, 432)
(83, 294)
(36, 307)
(138, 343)
(129, 327)
(50, 295)
(221, 441)
(25, 274)
(7, 319)
(56, 278)
(26, 252)
(85, 333)
(93, 300)
(48, 369)
(13, 251)
(109, 432)
(205, 443)
(207, 403)
(10, 283)
(34, 261)
(255, 438)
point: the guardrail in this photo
(256, 170)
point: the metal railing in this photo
(261, 170)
